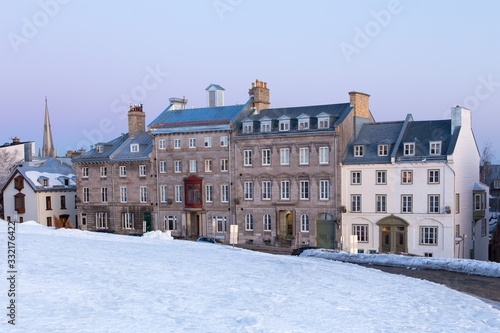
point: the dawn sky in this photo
(92, 58)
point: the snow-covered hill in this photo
(76, 281)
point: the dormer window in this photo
(66, 182)
(98, 148)
(383, 150)
(248, 127)
(303, 124)
(284, 125)
(435, 148)
(45, 182)
(409, 149)
(323, 123)
(359, 150)
(265, 126)
(496, 184)
(134, 148)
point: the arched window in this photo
(249, 222)
(267, 222)
(304, 223)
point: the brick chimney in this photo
(136, 120)
(260, 94)
(361, 103)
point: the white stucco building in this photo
(413, 187)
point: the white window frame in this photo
(86, 194)
(381, 203)
(134, 147)
(407, 177)
(324, 155)
(285, 189)
(248, 190)
(247, 157)
(323, 123)
(265, 126)
(163, 193)
(85, 172)
(248, 127)
(101, 220)
(381, 177)
(356, 203)
(123, 194)
(359, 150)
(433, 176)
(267, 222)
(303, 124)
(127, 221)
(178, 193)
(192, 166)
(224, 193)
(208, 142)
(224, 141)
(177, 166)
(142, 170)
(356, 177)
(170, 222)
(162, 144)
(249, 222)
(143, 194)
(266, 190)
(324, 189)
(266, 156)
(103, 171)
(406, 203)
(177, 143)
(433, 203)
(123, 171)
(409, 149)
(305, 190)
(104, 194)
(361, 230)
(305, 223)
(435, 148)
(304, 155)
(192, 142)
(285, 156)
(428, 235)
(284, 125)
(221, 223)
(208, 165)
(224, 165)
(99, 148)
(163, 167)
(209, 193)
(383, 150)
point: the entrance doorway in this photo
(325, 231)
(393, 235)
(286, 227)
(147, 222)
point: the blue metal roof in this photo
(216, 86)
(50, 166)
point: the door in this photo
(147, 220)
(393, 235)
(325, 231)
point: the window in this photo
(457, 231)
(433, 203)
(304, 190)
(142, 170)
(409, 149)
(303, 124)
(496, 184)
(163, 193)
(162, 144)
(143, 195)
(381, 203)
(406, 204)
(103, 171)
(224, 193)
(123, 171)
(192, 142)
(267, 222)
(356, 203)
(170, 222)
(224, 164)
(247, 157)
(428, 235)
(224, 141)
(324, 155)
(208, 165)
(304, 155)
(247, 127)
(163, 166)
(99, 148)
(19, 203)
(457, 203)
(249, 222)
(284, 125)
(85, 172)
(285, 156)
(86, 194)
(358, 150)
(478, 202)
(101, 220)
(266, 156)
(192, 165)
(178, 193)
(221, 223)
(483, 227)
(355, 177)
(177, 143)
(285, 190)
(45, 182)
(381, 177)
(209, 191)
(248, 190)
(208, 142)
(383, 150)
(134, 148)
(104, 194)
(177, 166)
(323, 123)
(433, 177)
(324, 189)
(435, 148)
(123, 194)
(406, 177)
(266, 190)
(63, 202)
(360, 230)
(265, 126)
(304, 223)
(49, 221)
(127, 220)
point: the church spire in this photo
(48, 144)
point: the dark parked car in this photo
(207, 240)
(297, 252)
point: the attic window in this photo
(285, 125)
(66, 182)
(323, 123)
(265, 126)
(435, 148)
(383, 150)
(358, 150)
(134, 148)
(45, 182)
(247, 128)
(496, 184)
(19, 183)
(409, 149)
(303, 124)
(98, 148)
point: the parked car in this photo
(297, 252)
(207, 240)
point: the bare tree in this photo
(487, 157)
(8, 161)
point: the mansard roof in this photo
(335, 110)
(108, 148)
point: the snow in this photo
(52, 177)
(478, 267)
(80, 281)
(167, 235)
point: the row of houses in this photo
(320, 175)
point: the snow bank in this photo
(167, 235)
(486, 268)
